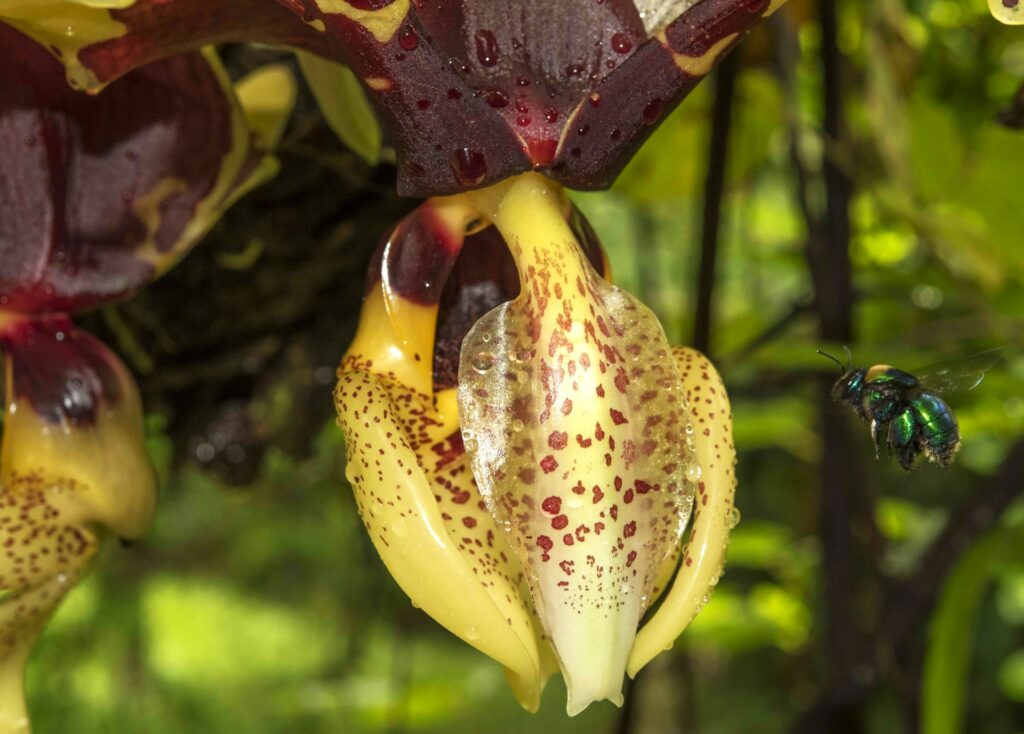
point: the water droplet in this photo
(693, 472)
(522, 81)
(594, 99)
(522, 377)
(550, 114)
(486, 337)
(398, 529)
(470, 444)
(689, 429)
(734, 518)
(469, 166)
(486, 48)
(523, 120)
(69, 31)
(652, 111)
(409, 39)
(621, 43)
(517, 425)
(483, 362)
(471, 633)
(496, 99)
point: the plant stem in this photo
(714, 188)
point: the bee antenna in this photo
(829, 356)
(849, 357)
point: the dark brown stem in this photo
(714, 189)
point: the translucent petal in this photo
(573, 411)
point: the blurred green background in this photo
(257, 604)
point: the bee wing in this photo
(961, 374)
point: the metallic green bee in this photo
(906, 411)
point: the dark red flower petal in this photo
(66, 375)
(99, 193)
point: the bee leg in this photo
(902, 438)
(876, 437)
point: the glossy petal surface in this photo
(99, 194)
(72, 462)
(407, 464)
(472, 92)
(573, 410)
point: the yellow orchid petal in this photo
(714, 513)
(573, 411)
(71, 463)
(418, 497)
(450, 578)
(1010, 12)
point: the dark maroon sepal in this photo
(65, 375)
(97, 192)
(475, 92)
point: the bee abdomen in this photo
(939, 432)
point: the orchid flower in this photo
(98, 195)
(530, 490)
(526, 449)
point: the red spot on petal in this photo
(469, 522)
(558, 440)
(548, 464)
(618, 418)
(552, 504)
(629, 530)
(560, 522)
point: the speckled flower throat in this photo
(525, 446)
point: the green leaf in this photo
(344, 104)
(950, 640)
(949, 645)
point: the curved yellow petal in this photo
(71, 463)
(448, 554)
(401, 513)
(714, 514)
